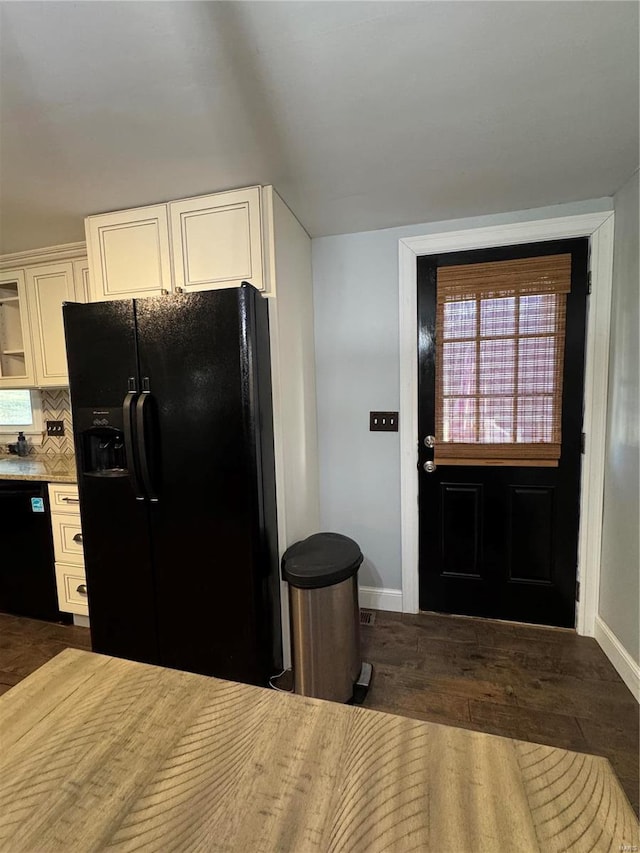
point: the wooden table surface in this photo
(99, 753)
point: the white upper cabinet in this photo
(129, 253)
(16, 357)
(201, 243)
(217, 240)
(81, 280)
(33, 287)
(47, 288)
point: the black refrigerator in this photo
(173, 427)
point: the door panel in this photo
(499, 538)
(462, 528)
(530, 533)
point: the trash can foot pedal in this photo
(361, 686)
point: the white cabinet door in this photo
(81, 280)
(16, 355)
(129, 253)
(47, 288)
(217, 240)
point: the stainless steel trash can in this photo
(325, 626)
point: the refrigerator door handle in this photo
(128, 408)
(141, 440)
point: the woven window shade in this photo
(500, 331)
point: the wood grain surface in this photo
(104, 754)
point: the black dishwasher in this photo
(27, 570)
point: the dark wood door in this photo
(499, 538)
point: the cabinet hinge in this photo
(577, 590)
(583, 442)
(589, 282)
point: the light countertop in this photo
(47, 469)
(139, 757)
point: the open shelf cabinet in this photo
(16, 361)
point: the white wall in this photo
(355, 281)
(620, 570)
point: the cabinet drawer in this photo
(67, 538)
(72, 589)
(63, 497)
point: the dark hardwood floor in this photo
(26, 644)
(543, 685)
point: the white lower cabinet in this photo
(63, 497)
(67, 538)
(72, 589)
(71, 582)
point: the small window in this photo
(20, 411)
(500, 331)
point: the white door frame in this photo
(599, 228)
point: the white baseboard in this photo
(82, 621)
(378, 598)
(624, 664)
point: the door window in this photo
(500, 330)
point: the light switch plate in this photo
(383, 421)
(55, 428)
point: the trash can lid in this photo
(321, 560)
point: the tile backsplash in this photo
(56, 406)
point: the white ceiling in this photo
(363, 114)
